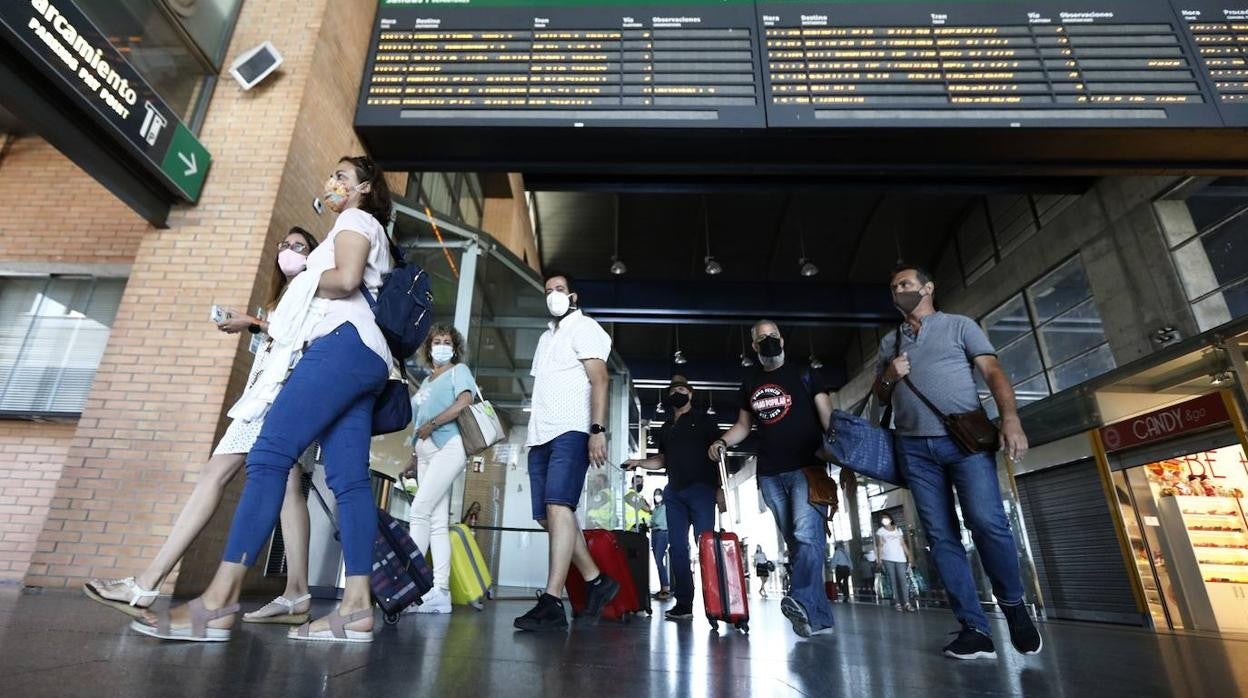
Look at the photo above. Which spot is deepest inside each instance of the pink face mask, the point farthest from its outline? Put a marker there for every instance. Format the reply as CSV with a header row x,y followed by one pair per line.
x,y
291,262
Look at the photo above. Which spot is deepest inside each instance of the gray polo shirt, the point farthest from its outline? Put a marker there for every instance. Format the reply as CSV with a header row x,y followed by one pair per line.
x,y
941,365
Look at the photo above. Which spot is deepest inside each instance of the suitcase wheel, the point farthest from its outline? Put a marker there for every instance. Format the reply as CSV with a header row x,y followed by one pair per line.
x,y
714,623
477,605
743,626
392,618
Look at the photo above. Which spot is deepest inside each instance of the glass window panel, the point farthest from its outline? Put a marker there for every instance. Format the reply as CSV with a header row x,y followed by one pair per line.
x,y
1060,291
1083,368
1237,299
1007,323
975,241
1021,360
209,22
1075,332
1208,210
1031,390
1011,219
1227,248
151,43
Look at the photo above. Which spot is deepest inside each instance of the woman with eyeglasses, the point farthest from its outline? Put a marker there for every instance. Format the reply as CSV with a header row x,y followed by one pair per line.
x,y
131,595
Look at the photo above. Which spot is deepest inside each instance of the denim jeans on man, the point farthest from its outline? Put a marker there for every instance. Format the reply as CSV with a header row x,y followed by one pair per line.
x,y
328,398
557,472
802,525
934,467
658,546
691,506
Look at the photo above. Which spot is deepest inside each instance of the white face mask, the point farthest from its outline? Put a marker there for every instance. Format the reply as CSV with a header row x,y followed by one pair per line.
x,y
441,354
558,303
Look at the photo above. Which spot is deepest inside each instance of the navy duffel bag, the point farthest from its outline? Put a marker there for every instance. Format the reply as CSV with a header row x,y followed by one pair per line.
x,y
864,447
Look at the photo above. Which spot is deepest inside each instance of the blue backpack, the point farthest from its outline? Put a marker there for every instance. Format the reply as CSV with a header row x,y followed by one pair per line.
x,y
404,306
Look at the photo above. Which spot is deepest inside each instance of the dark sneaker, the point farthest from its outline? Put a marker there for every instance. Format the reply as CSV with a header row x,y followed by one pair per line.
x,y
796,613
599,593
679,612
548,614
1023,633
971,644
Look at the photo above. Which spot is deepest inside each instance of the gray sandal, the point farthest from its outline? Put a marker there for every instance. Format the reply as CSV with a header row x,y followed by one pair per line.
x,y
197,632
338,631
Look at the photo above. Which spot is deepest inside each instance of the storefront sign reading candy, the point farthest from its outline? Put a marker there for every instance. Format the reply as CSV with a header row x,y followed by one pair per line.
x,y
1201,413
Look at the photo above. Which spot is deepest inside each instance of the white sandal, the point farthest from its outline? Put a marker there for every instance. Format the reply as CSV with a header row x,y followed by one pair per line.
x,y
337,631
140,598
284,613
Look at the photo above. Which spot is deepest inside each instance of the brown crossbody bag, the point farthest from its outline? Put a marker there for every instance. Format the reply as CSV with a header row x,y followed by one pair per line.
x,y
973,431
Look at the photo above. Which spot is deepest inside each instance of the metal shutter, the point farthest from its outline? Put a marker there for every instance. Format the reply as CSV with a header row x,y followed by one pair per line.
x,y
1074,546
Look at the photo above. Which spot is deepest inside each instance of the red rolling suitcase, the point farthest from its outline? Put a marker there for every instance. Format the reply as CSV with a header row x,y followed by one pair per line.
x,y
612,561
722,562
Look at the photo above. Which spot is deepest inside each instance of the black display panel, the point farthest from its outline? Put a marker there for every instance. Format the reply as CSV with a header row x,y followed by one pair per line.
x,y
1003,63
565,64
1220,34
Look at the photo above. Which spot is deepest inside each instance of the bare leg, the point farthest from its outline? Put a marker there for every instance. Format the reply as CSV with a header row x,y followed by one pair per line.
x,y
295,533
567,546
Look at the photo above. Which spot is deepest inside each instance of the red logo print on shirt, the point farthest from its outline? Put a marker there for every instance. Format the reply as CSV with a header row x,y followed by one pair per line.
x,y
770,403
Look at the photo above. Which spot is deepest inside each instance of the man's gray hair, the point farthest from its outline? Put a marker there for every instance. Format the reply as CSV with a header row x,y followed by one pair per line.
x,y
760,323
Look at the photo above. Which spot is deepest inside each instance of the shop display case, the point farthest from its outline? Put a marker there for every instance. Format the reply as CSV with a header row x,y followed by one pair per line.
x,y
1207,541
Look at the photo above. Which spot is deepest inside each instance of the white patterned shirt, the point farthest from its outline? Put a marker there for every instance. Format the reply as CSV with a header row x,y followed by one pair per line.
x,y
561,389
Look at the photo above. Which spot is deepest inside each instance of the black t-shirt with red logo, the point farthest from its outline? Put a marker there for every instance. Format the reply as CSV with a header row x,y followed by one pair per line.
x,y
784,411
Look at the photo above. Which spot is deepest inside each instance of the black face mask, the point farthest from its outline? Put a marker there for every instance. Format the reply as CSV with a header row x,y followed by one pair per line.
x,y
770,347
677,400
638,486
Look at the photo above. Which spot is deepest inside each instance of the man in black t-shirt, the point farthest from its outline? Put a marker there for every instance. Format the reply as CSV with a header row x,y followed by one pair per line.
x,y
791,408
692,483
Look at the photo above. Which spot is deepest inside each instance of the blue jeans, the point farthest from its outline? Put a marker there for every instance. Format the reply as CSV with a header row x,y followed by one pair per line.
x,y
557,472
933,468
328,398
803,526
692,506
658,546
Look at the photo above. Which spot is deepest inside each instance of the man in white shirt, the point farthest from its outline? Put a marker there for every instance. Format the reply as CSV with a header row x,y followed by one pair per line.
x,y
566,435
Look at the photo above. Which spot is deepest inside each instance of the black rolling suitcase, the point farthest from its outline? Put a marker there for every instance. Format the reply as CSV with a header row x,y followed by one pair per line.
x,y
636,548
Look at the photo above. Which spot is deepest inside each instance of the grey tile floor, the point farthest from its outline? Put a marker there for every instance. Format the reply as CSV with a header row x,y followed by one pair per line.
x,y
60,644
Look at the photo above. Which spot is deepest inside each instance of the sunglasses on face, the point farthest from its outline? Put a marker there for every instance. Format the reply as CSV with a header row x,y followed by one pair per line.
x,y
298,247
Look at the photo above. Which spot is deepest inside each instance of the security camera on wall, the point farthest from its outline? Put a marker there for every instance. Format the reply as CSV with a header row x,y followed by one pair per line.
x,y
255,65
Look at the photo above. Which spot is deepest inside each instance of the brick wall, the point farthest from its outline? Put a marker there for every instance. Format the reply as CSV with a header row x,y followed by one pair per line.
x,y
43,224
168,376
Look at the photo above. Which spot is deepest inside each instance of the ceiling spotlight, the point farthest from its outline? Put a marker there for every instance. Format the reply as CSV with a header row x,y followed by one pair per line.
x,y
808,267
713,267
658,407
679,359
1221,378
618,268
746,361
710,411
815,363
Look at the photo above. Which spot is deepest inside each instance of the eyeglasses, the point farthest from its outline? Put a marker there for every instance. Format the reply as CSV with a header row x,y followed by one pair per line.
x,y
298,247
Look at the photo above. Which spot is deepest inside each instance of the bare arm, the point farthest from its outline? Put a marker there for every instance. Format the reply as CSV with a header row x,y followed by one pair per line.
x,y
655,462
446,416
735,435
596,369
823,405
350,256
1013,440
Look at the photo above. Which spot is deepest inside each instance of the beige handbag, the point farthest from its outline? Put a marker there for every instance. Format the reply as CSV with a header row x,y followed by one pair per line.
x,y
479,426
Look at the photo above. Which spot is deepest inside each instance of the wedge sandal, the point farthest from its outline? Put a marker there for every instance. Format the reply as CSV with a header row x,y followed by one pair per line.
x,y
337,631
281,611
198,630
136,606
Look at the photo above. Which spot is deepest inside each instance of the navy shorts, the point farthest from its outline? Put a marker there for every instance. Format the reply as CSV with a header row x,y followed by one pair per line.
x,y
557,472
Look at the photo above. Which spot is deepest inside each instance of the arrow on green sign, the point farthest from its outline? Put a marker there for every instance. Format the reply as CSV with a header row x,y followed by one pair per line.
x,y
186,163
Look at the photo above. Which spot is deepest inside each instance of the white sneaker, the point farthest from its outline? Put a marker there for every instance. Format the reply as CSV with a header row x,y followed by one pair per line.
x,y
434,601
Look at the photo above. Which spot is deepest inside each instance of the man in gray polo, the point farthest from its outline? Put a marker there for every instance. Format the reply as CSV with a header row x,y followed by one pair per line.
x,y
936,353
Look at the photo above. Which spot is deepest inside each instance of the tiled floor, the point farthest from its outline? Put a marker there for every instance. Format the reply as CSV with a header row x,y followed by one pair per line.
x,y
60,644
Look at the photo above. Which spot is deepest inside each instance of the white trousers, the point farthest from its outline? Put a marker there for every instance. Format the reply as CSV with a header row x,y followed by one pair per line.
x,y
430,513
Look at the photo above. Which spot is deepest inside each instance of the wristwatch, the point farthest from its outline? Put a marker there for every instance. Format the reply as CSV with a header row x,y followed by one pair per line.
x,y
597,429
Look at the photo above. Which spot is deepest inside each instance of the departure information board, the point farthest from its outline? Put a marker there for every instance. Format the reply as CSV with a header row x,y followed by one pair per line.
x,y
564,64
790,63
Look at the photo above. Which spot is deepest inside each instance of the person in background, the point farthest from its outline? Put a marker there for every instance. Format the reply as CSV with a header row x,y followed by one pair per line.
x,y
841,569
131,595
762,568
440,456
659,544
791,409
692,485
895,554
637,510
937,354
566,436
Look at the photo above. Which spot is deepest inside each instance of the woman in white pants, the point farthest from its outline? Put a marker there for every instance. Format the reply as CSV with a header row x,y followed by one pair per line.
x,y
440,456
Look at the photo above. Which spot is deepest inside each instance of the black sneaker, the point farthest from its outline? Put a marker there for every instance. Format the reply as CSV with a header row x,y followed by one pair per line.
x,y
679,612
1023,633
548,614
599,593
971,644
796,613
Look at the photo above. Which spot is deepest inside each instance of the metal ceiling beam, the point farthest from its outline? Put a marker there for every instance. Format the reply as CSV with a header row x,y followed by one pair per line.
x,y
703,302
711,375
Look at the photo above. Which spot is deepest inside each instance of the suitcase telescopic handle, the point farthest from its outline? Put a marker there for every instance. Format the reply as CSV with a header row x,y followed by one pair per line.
x,y
723,483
